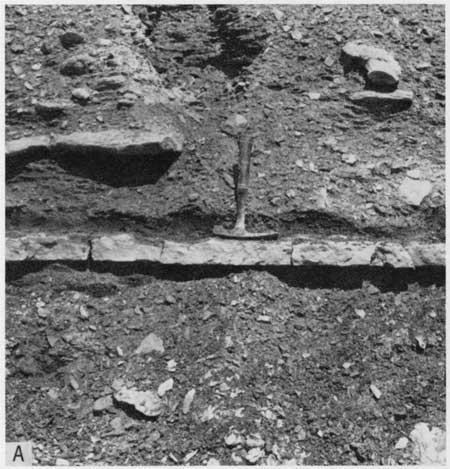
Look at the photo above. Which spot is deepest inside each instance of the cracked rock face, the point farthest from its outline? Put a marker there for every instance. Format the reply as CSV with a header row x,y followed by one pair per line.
x,y
44,247
127,248
427,254
216,251
124,248
350,254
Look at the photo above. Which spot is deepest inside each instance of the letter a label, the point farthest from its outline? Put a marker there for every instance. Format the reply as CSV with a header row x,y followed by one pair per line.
x,y
19,453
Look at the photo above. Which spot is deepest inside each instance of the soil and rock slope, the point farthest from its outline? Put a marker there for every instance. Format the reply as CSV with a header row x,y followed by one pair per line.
x,y
284,76
123,119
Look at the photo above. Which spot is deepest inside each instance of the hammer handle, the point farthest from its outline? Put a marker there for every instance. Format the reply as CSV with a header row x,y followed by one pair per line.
x,y
242,177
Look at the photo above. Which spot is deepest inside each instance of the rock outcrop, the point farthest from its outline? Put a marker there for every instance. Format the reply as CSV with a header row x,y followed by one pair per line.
x,y
123,247
381,67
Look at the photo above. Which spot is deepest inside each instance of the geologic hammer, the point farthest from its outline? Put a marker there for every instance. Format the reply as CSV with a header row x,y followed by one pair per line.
x,y
241,176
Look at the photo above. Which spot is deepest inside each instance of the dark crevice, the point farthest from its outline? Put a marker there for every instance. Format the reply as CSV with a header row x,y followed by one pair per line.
x,y
313,277
116,170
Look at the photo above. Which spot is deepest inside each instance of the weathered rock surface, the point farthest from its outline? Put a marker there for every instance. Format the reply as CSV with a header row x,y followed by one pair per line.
x,y
122,142
427,254
392,254
116,142
381,67
227,252
43,247
124,248
350,253
403,98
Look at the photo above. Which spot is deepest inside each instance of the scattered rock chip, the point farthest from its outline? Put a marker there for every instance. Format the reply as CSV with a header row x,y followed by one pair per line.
x,y
420,341
71,39
84,313
81,94
423,66
413,191
254,455
164,387
234,439
146,402
402,443
349,158
17,48
263,318
77,65
254,440
52,109
47,47
296,35
62,462
314,95
171,365
103,403
279,15
53,393
151,343
414,174
187,402
113,82
375,391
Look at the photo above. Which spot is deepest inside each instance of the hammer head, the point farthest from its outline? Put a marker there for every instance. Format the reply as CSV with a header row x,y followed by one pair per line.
x,y
240,233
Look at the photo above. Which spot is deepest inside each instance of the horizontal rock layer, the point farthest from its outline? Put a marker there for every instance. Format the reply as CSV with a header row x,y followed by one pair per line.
x,y
125,248
116,142
43,247
227,252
